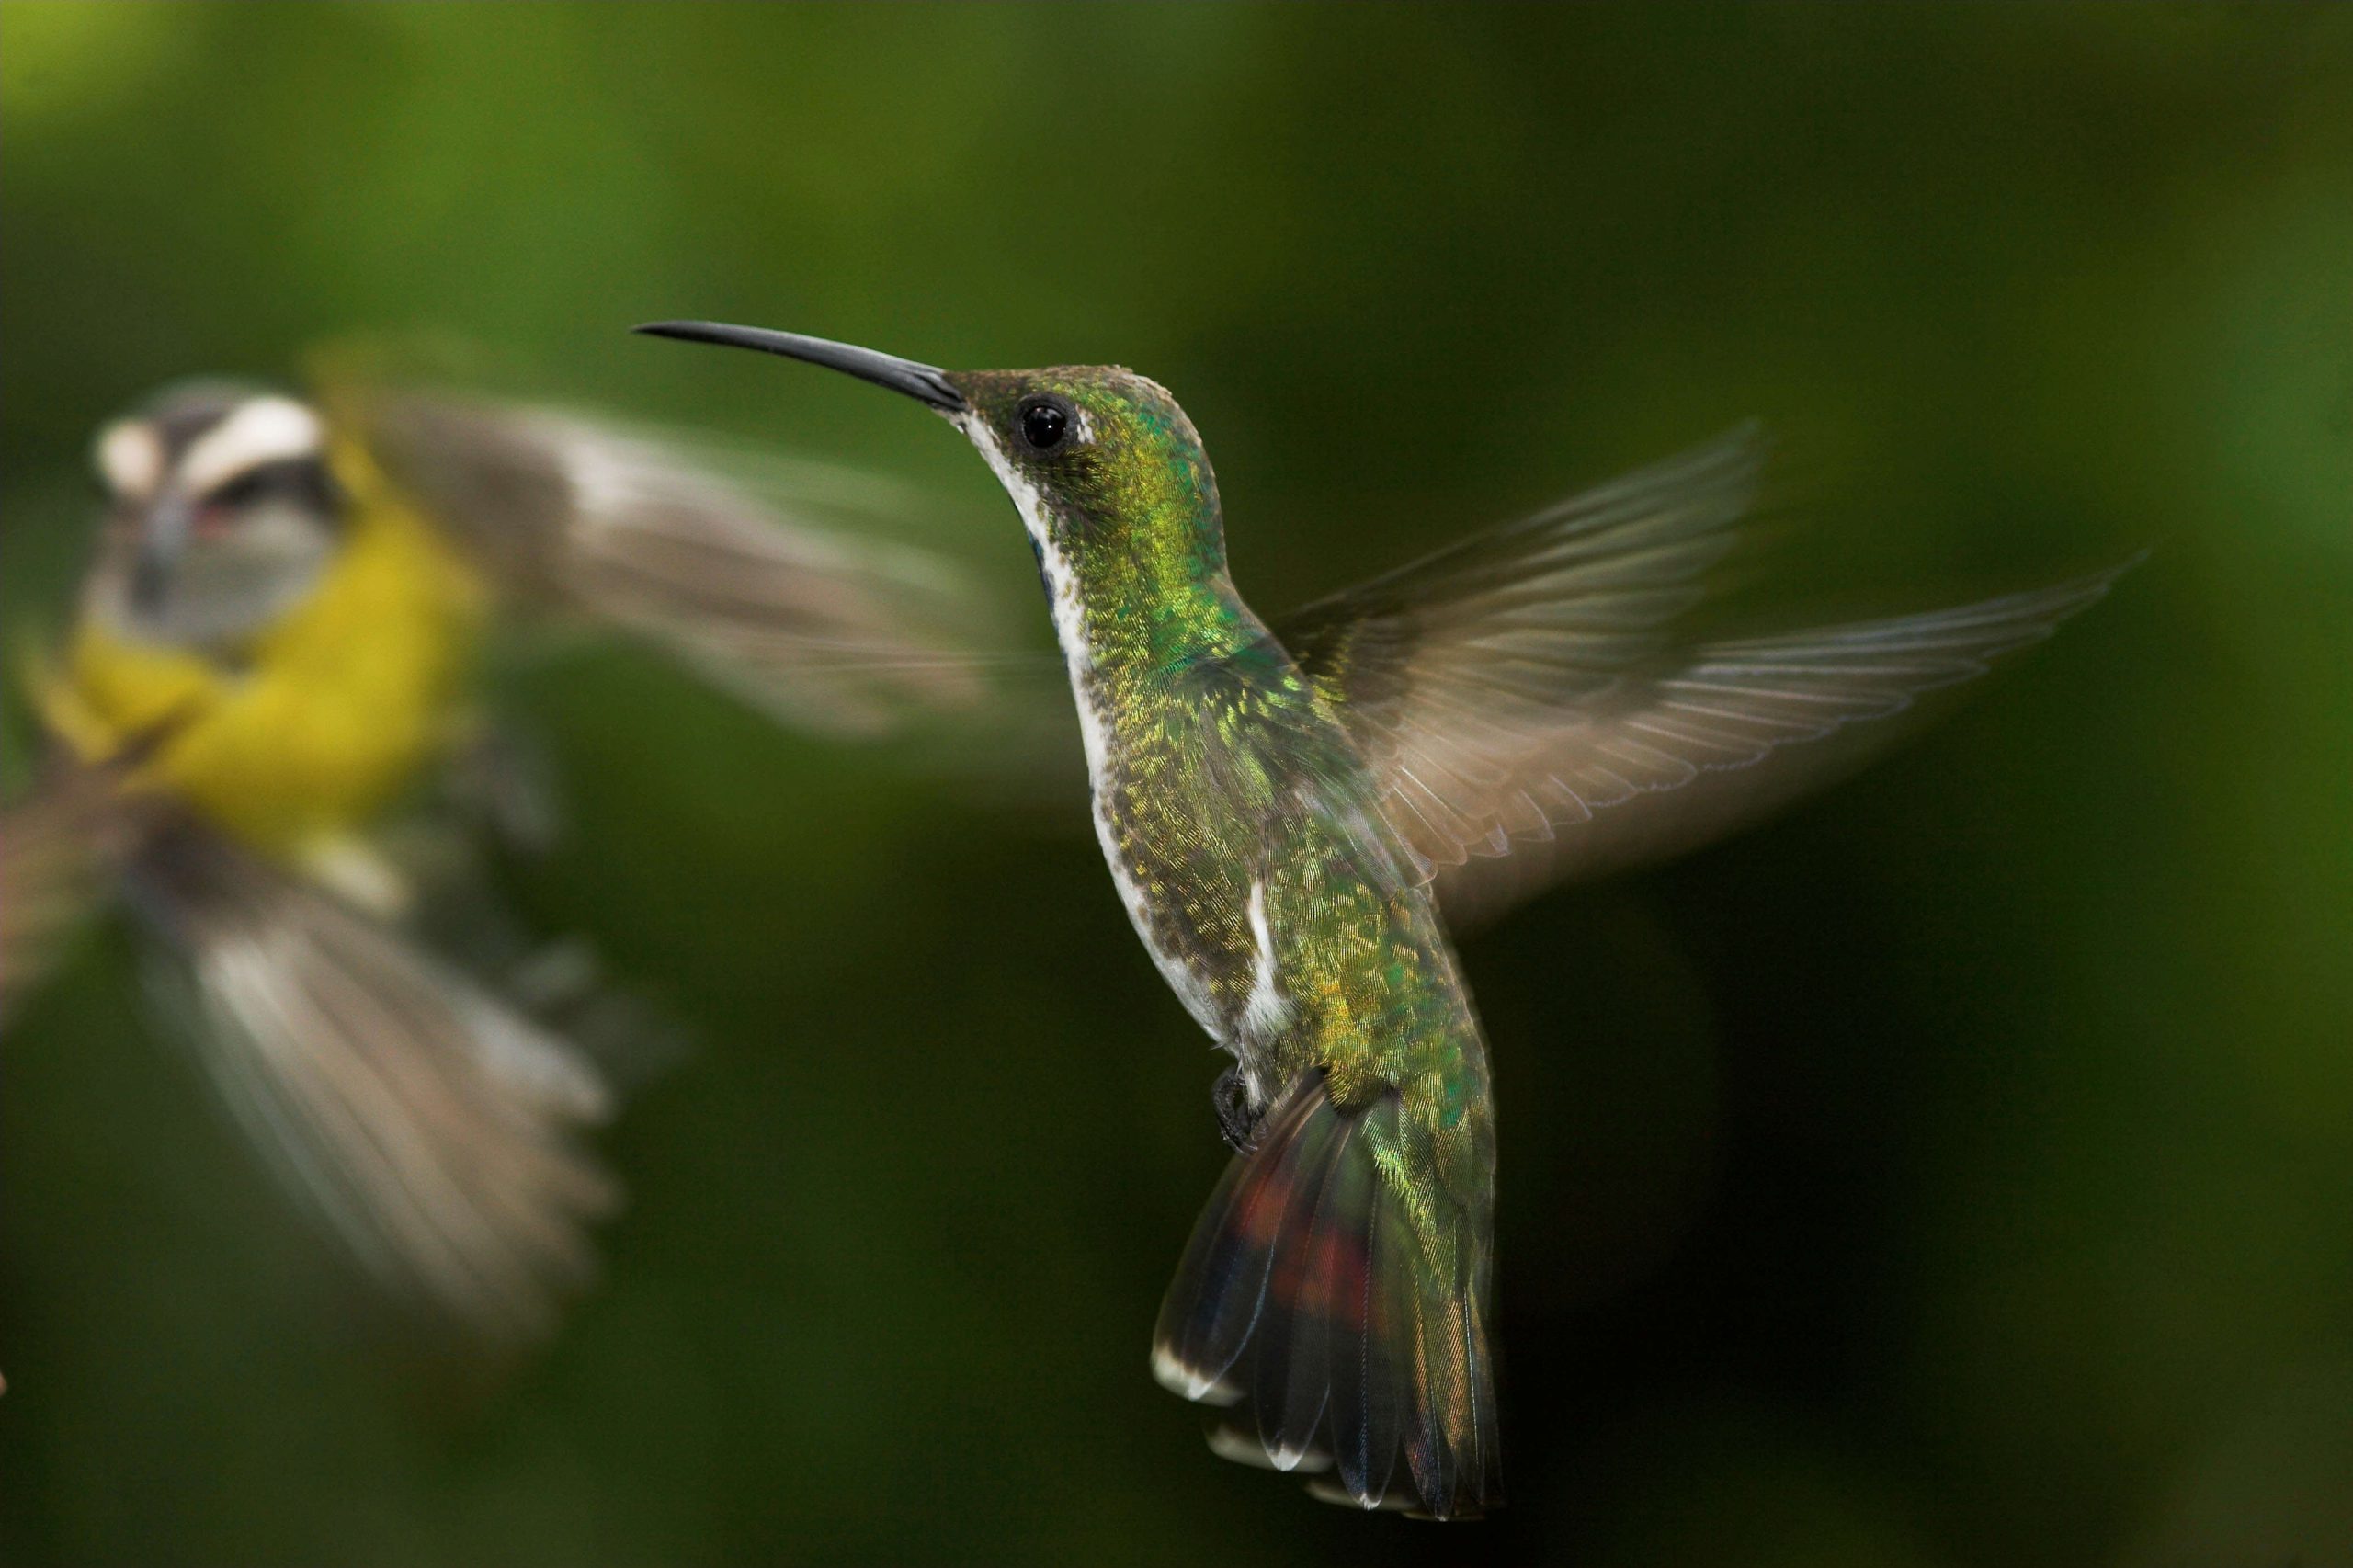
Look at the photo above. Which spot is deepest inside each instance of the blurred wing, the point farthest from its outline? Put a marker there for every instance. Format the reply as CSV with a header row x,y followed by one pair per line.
x,y
430,1123
1688,756
750,583
62,849
1532,715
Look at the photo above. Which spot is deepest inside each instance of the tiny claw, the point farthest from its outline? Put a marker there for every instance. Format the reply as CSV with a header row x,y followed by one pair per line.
x,y
1237,1118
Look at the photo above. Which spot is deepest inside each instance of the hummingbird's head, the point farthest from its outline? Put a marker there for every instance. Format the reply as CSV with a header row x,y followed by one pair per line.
x,y
1098,460
1106,472
222,513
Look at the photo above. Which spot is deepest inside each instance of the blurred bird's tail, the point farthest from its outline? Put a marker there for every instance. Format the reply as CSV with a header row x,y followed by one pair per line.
x,y
1333,1304
438,1129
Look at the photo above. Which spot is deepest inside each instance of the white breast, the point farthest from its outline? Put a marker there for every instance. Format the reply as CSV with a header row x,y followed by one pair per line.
x,y
1069,613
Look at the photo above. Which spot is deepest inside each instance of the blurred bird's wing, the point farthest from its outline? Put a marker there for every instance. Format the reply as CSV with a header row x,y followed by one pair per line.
x,y
434,1126
1532,714
739,566
62,849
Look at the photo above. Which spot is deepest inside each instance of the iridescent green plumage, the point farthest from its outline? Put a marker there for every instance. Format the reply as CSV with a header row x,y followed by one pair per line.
x,y
1244,828
1290,810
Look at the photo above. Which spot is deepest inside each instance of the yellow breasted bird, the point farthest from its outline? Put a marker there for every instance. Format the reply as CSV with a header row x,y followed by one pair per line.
x,y
275,645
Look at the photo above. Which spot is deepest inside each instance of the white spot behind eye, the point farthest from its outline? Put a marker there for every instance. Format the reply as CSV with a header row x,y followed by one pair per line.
x,y
266,430
129,457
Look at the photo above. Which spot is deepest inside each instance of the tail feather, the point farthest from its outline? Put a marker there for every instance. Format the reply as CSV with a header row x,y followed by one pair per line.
x,y
1228,1272
1337,1313
439,1130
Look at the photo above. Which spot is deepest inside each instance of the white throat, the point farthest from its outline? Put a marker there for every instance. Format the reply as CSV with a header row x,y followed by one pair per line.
x,y
1063,604
1069,612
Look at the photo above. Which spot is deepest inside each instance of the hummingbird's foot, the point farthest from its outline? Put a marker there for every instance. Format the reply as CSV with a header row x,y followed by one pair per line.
x,y
1237,1119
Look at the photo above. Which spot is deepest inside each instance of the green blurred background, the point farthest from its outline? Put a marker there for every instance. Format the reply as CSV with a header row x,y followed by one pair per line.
x,y
1955,1172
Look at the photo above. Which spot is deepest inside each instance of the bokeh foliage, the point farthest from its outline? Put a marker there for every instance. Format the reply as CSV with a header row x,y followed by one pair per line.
x,y
1956,1172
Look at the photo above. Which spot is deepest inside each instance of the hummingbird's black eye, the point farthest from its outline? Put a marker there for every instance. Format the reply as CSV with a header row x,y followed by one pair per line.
x,y
1044,422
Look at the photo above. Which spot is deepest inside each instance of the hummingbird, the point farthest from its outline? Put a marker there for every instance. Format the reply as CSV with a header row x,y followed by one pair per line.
x,y
273,658
1297,812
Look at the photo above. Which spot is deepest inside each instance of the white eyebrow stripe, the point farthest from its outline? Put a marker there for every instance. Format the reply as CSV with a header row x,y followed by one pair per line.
x,y
266,430
130,456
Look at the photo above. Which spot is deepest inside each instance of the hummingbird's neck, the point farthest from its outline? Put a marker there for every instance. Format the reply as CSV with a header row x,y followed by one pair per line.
x,y
1136,598
1136,622
1138,643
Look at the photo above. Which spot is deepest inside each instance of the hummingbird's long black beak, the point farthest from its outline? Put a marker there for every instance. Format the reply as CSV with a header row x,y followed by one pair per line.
x,y
925,383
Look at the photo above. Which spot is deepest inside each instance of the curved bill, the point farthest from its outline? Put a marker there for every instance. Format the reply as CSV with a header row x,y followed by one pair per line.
x,y
925,383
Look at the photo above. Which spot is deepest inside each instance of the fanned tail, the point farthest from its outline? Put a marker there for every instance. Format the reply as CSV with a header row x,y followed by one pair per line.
x,y
438,1129
1334,1305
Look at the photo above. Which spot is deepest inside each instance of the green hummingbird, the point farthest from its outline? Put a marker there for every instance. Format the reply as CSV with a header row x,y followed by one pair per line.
x,y
1294,811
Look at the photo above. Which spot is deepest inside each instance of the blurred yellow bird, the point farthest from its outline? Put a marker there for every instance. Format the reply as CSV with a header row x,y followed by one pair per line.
x,y
275,644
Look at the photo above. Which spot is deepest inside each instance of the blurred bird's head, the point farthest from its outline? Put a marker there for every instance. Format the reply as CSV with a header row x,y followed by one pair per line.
x,y
223,512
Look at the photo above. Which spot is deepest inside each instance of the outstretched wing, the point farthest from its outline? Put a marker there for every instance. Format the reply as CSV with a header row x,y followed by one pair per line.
x,y
750,580
62,846
431,1124
1533,714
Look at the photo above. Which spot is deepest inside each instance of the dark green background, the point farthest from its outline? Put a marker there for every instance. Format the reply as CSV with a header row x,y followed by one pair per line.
x,y
1958,1172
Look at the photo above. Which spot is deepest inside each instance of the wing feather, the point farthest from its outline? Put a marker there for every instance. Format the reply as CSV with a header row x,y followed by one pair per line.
x,y
62,849
739,568
1534,711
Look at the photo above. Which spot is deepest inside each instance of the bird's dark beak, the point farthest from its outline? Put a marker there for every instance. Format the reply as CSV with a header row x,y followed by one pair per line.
x,y
160,545
925,383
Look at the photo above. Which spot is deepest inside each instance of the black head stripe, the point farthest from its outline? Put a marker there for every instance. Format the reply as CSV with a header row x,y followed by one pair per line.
x,y
302,480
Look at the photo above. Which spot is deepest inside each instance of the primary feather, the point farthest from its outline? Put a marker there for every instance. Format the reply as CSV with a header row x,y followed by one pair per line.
x,y
1534,711
61,847
751,584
